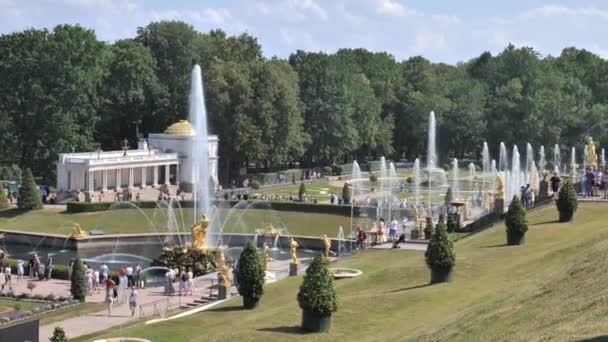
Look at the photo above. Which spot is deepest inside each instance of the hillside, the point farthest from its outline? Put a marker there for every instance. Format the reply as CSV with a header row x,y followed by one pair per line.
x,y
552,288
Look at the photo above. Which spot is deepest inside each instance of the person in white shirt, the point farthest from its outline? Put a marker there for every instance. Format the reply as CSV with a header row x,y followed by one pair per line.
x,y
20,270
129,273
133,300
7,277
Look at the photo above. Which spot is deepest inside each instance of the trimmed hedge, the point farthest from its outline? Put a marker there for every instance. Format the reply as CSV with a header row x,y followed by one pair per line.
x,y
82,207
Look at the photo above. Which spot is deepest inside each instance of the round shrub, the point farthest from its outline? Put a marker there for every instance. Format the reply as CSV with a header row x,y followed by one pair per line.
x,y
566,202
250,276
317,292
255,185
327,170
58,335
516,222
337,170
346,193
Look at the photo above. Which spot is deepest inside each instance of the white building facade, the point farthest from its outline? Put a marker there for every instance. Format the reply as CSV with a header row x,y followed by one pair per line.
x,y
163,159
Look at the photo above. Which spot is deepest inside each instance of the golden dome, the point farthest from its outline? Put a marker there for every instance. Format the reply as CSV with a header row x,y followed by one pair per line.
x,y
181,128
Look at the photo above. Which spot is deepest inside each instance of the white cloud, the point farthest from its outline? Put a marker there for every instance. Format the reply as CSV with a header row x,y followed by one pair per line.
x,y
311,6
553,11
390,7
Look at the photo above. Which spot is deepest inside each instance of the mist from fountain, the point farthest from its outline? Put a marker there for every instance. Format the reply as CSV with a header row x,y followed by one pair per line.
x,y
417,180
503,158
431,152
341,247
472,175
557,160
603,159
585,157
455,189
529,159
383,185
542,162
485,158
355,174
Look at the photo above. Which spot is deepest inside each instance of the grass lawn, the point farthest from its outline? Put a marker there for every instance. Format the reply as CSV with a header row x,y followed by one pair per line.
x,y
321,189
20,305
64,314
149,220
551,288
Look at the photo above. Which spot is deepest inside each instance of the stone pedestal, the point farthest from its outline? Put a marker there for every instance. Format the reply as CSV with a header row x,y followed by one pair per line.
x,y
499,206
414,234
222,292
543,190
293,269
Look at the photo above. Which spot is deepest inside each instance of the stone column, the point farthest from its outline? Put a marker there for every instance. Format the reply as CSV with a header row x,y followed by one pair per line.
x,y
130,178
167,174
143,176
155,179
104,180
118,180
91,180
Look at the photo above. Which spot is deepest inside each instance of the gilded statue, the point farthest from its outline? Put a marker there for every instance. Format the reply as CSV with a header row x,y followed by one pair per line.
x,y
292,250
223,268
270,230
327,243
267,257
500,191
591,155
199,233
77,232
415,216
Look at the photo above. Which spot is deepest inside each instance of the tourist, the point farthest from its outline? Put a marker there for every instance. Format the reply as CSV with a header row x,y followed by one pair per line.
x,y
399,241
109,301
129,274
48,267
555,181
392,231
7,277
20,270
381,232
89,276
41,269
104,270
183,282
2,254
96,282
190,284
137,276
133,300
360,237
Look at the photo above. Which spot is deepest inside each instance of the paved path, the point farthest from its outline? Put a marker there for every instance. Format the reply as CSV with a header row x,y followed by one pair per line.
x,y
403,246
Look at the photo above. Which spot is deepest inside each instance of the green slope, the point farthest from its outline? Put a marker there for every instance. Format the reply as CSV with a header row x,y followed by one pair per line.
x,y
552,288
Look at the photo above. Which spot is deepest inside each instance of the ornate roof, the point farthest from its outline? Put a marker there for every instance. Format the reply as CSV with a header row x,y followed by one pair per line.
x,y
180,128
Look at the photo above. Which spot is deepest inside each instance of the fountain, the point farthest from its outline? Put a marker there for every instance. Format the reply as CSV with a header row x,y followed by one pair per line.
x,y
455,188
472,175
585,157
542,161
355,174
485,158
602,159
503,158
556,158
573,163
200,154
383,185
417,180
435,173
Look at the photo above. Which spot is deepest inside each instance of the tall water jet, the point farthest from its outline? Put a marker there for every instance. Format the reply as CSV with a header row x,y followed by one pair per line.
x,y
585,157
529,157
431,151
541,159
200,156
392,183
493,168
573,163
603,159
417,180
471,176
383,186
455,178
517,174
557,160
355,175
485,158
503,158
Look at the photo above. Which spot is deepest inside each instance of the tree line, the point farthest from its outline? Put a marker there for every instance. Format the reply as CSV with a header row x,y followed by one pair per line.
x,y
64,90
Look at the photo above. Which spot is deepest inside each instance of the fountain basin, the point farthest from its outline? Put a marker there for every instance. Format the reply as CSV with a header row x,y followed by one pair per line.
x,y
341,272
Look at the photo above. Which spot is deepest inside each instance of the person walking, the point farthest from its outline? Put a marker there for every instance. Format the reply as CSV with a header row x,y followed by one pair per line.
x,y
104,270
183,282
7,277
555,181
20,270
137,276
129,274
190,284
133,300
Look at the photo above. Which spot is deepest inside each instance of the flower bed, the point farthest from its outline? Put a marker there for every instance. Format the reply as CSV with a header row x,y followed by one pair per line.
x,y
26,306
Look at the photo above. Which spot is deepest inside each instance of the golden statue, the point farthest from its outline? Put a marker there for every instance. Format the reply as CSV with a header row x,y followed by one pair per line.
x,y
78,232
327,243
415,216
223,268
292,250
591,155
500,191
199,233
270,230
267,257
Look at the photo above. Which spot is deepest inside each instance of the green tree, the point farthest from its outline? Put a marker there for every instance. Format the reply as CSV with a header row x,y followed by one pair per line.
x,y
29,196
318,293
58,335
78,281
250,276
566,202
516,222
439,255
449,197
4,203
302,191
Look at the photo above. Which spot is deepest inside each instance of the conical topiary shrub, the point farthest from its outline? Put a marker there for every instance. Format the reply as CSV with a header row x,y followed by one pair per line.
x,y
346,193
317,296
250,276
428,229
448,197
302,191
566,202
78,286
440,256
58,335
4,204
29,196
516,222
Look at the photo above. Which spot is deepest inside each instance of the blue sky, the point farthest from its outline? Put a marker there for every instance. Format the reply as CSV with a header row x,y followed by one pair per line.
x,y
443,30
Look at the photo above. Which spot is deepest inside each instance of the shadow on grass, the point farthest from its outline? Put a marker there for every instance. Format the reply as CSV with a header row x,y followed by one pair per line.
x,y
295,329
411,288
545,223
595,339
496,246
12,212
227,308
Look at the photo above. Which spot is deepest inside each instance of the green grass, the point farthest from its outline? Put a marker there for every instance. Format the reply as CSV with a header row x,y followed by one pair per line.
x,y
135,221
64,314
20,305
551,288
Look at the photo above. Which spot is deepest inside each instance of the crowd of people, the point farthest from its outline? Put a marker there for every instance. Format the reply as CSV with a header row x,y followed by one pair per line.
x,y
184,276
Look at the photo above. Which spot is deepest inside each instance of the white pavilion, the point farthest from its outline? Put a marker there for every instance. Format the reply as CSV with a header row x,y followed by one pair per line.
x,y
162,159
